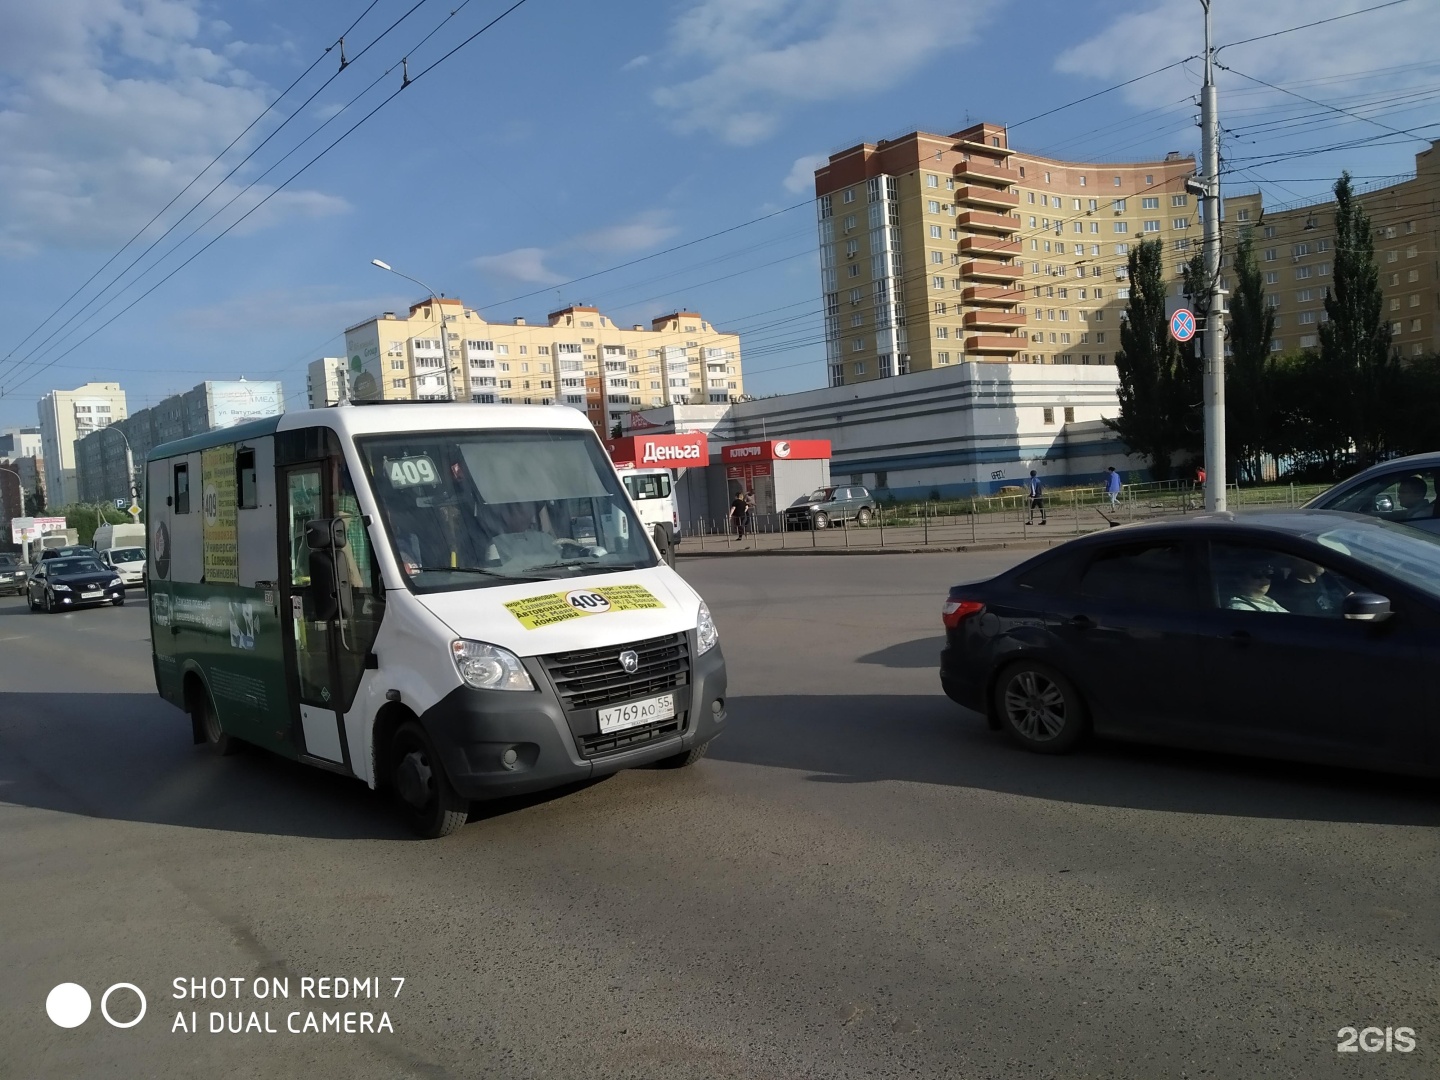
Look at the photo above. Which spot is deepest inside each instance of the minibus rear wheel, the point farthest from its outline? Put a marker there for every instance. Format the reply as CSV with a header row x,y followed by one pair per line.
x,y
423,791
207,722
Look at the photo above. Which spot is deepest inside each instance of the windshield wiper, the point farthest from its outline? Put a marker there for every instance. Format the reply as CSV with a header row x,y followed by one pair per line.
x,y
470,570
578,564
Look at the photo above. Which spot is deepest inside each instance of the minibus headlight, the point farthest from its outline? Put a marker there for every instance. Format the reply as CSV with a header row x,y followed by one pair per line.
x,y
705,632
489,667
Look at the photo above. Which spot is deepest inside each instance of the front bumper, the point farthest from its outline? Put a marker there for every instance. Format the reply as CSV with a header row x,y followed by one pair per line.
x,y
75,599
473,730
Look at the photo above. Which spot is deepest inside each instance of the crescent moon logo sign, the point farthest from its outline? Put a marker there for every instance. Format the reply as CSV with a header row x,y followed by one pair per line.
x,y
782,449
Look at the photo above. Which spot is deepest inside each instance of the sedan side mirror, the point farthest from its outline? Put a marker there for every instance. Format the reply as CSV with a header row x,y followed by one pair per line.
x,y
1366,607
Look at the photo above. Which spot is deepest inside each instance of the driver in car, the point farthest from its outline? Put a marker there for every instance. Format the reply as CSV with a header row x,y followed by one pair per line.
x,y
521,544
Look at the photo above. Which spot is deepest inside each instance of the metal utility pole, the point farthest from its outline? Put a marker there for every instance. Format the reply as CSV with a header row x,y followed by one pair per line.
x,y
1215,315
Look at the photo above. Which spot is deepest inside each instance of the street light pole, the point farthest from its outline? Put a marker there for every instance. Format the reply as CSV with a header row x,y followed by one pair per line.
x,y
129,468
444,344
1215,313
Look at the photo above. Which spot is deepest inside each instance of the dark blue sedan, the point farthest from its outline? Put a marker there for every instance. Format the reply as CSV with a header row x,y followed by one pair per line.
x,y
1312,635
79,581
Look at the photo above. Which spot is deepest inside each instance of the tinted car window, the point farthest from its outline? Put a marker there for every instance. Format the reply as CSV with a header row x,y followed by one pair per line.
x,y
1057,574
1146,575
1411,556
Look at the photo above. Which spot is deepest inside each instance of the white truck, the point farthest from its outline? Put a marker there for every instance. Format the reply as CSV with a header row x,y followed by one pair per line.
x,y
118,536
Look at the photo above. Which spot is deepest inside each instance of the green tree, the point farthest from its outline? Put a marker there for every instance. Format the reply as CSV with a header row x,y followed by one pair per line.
x,y
1250,419
35,501
1355,348
1154,410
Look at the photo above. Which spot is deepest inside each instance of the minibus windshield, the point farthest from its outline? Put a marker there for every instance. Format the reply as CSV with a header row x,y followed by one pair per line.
x,y
467,509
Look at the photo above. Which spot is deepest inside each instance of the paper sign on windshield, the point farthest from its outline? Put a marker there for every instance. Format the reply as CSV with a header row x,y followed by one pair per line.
x,y
551,608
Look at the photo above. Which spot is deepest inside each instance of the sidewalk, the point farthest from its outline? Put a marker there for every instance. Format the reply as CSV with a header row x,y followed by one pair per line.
x,y
979,532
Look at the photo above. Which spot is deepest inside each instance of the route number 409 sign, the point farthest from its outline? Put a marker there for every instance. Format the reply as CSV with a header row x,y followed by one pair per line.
x,y
411,471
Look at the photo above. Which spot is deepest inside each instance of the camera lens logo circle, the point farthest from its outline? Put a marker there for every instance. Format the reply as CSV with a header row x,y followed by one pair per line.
x,y
68,1005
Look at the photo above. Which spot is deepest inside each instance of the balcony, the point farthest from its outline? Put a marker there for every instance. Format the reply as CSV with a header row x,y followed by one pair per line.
x,y
985,172
992,294
987,196
994,270
994,343
989,245
985,221
994,320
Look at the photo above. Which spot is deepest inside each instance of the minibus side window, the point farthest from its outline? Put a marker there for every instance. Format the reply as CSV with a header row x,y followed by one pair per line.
x,y
246,488
182,488
365,607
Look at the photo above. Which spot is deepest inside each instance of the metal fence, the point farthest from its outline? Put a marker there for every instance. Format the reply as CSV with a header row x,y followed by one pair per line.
x,y
988,519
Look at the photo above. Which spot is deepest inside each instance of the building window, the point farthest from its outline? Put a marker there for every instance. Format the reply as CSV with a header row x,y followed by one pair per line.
x,y
1118,205
1270,255
1152,226
932,206
853,270
1414,326
931,180
1070,409
942,332
943,357
1302,272
1180,223
1082,181
1117,181
937,257
1411,251
1179,200
937,283
849,195
1269,232
934,233
1242,215
1049,416
940,306
860,367
1150,202
1122,226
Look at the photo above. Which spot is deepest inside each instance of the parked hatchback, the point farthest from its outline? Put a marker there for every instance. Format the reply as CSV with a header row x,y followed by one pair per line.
x,y
828,506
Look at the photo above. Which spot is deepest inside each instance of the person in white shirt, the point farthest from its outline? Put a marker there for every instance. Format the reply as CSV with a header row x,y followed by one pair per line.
x,y
1253,592
521,545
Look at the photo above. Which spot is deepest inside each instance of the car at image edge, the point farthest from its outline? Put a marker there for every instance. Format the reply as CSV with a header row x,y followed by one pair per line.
x,y
1404,490
1169,633
13,574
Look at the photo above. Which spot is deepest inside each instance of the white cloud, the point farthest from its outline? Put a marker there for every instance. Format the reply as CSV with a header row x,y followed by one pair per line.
x,y
763,56
802,173
644,232
107,109
302,308
522,264
637,62
1170,30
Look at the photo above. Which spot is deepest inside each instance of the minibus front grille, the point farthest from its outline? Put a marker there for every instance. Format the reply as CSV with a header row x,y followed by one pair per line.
x,y
594,678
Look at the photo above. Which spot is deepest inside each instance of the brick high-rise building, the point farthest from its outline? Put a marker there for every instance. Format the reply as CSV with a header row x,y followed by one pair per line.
x,y
943,249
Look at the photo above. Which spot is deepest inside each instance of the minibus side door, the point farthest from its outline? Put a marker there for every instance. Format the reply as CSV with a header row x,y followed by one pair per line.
x,y
311,664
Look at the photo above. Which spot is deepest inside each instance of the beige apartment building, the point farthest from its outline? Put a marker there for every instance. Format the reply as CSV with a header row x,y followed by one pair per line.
x,y
1294,250
578,357
943,249
67,416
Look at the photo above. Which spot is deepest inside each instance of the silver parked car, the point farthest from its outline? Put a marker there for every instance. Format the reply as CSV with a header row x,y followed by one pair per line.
x,y
828,506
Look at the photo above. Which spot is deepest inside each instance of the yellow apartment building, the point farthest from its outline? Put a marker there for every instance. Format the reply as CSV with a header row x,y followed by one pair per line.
x,y
1294,250
943,249
578,357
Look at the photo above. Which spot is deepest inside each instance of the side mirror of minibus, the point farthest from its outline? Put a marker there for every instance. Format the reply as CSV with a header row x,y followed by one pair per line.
x,y
664,543
324,537
324,533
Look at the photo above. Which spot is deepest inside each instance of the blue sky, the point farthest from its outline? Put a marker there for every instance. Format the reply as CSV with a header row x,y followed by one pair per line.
x,y
574,136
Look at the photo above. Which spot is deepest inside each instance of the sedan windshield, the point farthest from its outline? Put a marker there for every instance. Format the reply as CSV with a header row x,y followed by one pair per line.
x,y
467,509
70,567
1410,555
128,555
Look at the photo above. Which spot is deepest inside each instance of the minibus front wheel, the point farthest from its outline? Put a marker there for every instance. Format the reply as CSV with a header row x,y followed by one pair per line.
x,y
424,793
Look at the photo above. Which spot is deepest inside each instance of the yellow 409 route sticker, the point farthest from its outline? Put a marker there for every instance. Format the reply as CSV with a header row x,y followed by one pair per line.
x,y
537,611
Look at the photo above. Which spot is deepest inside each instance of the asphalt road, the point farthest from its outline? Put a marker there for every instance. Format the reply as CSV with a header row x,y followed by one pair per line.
x,y
861,881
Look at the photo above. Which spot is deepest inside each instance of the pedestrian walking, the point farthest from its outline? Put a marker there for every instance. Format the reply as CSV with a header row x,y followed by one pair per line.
x,y
737,514
1112,487
1037,498
750,511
